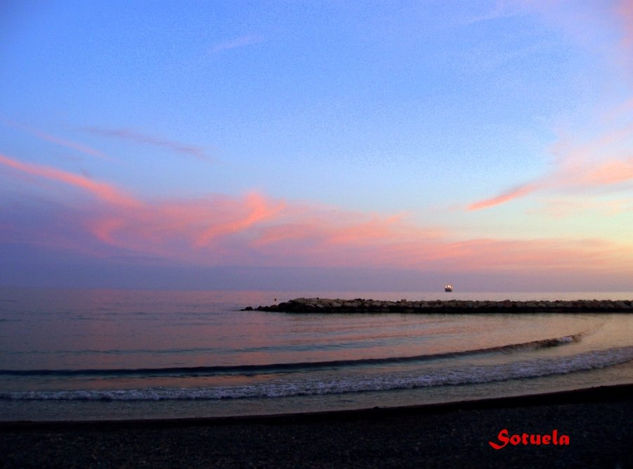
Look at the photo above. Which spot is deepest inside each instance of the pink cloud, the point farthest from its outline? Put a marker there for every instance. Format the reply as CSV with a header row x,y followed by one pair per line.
x,y
289,233
248,230
609,172
506,196
371,231
257,209
255,230
605,161
201,230
59,141
100,190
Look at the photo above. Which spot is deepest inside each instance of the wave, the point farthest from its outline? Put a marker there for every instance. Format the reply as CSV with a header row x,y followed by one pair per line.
x,y
288,367
466,375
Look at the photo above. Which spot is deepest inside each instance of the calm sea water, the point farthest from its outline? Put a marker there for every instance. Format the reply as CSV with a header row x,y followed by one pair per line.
x,y
109,354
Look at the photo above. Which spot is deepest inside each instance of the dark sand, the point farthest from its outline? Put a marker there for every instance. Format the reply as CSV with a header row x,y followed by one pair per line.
x,y
599,423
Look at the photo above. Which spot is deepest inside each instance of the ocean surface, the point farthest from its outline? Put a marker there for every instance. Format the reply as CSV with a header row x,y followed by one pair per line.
x,y
116,354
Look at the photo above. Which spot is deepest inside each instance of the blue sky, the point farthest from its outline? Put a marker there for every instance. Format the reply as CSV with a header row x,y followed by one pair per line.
x,y
423,138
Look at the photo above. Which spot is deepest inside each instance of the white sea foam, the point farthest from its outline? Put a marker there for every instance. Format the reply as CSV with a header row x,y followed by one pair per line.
x,y
389,381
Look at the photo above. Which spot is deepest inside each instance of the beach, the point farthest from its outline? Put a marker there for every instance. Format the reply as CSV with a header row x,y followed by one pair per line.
x,y
597,422
316,234
190,379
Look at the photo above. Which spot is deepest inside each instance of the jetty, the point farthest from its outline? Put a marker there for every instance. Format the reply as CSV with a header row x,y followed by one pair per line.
x,y
359,305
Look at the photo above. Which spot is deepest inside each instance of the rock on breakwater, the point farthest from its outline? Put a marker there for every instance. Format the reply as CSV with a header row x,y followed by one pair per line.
x,y
359,305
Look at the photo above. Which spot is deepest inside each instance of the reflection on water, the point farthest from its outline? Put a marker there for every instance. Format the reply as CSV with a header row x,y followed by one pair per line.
x,y
173,332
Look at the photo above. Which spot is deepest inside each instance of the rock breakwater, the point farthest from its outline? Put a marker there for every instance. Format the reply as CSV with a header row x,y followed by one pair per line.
x,y
359,305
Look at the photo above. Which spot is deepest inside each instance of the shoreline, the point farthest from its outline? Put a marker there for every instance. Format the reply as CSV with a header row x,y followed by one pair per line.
x,y
596,420
360,305
574,396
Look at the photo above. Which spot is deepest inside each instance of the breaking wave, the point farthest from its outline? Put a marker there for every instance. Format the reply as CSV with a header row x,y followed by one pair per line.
x,y
390,381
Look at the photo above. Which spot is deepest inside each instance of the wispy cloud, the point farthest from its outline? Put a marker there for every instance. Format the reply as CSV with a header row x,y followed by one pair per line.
x,y
506,196
605,161
258,210
80,147
501,9
101,190
144,139
255,230
236,43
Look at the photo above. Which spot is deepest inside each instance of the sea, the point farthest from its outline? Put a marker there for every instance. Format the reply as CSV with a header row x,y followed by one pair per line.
x,y
98,354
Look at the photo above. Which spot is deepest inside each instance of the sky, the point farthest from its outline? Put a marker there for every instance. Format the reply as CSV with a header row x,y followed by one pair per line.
x,y
317,144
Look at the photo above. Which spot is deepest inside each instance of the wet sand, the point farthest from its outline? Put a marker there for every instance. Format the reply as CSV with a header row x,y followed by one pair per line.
x,y
599,423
